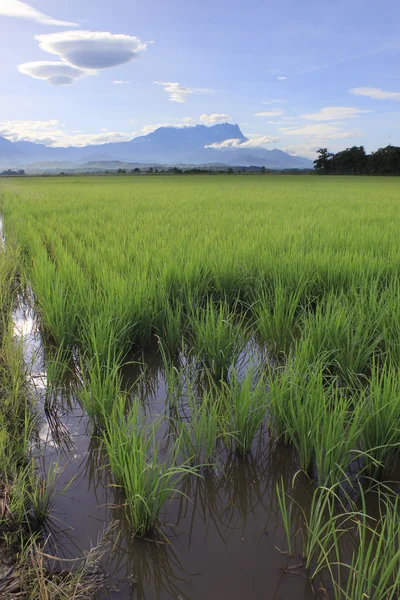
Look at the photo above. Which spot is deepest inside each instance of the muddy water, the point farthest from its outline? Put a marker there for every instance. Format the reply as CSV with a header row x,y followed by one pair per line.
x,y
223,536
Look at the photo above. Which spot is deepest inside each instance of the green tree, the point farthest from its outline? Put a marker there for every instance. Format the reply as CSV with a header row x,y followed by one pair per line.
x,y
323,162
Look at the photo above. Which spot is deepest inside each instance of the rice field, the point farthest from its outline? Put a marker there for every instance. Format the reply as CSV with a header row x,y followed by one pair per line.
x,y
233,346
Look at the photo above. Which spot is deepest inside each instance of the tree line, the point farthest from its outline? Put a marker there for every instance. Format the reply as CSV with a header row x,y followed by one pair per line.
x,y
355,161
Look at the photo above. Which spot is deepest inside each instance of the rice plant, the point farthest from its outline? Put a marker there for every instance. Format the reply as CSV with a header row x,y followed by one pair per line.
x,y
217,337
244,408
147,478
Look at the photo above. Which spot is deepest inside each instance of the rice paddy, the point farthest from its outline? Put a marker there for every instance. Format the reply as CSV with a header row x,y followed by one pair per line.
x,y
232,346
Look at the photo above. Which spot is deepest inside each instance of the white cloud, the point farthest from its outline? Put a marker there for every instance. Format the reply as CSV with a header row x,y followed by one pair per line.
x,y
306,150
332,113
91,49
274,101
282,78
185,122
258,141
215,118
320,131
54,133
120,82
375,93
270,113
286,122
22,10
179,93
55,73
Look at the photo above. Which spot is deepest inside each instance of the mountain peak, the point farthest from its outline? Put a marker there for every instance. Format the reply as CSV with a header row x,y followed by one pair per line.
x,y
166,145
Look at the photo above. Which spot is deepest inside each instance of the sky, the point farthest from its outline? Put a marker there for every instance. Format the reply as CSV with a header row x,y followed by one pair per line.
x,y
294,74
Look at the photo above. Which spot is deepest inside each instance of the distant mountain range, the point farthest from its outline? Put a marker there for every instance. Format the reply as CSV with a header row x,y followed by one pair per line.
x,y
165,145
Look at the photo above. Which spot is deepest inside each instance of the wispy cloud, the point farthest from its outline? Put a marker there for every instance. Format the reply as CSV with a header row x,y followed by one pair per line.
x,y
333,113
270,113
376,93
22,10
120,82
274,101
178,92
319,131
281,78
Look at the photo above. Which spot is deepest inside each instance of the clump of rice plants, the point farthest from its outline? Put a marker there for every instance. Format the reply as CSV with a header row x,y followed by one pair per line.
x,y
170,328
312,414
346,333
199,428
277,311
244,408
379,417
218,337
147,478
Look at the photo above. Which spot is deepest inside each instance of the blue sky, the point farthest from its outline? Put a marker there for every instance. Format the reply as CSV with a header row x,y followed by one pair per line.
x,y
294,74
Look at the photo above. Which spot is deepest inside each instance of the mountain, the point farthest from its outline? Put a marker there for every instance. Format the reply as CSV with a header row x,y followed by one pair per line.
x,y
165,145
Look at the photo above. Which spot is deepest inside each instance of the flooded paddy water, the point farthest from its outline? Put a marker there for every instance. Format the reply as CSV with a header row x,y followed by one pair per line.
x,y
223,538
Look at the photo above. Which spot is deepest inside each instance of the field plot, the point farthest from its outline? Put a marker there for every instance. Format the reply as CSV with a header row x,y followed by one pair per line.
x,y
222,376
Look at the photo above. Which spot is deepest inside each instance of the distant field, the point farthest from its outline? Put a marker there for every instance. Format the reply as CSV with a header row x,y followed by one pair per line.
x,y
305,269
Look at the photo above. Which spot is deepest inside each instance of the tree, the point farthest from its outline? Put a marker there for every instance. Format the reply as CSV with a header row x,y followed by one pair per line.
x,y
322,163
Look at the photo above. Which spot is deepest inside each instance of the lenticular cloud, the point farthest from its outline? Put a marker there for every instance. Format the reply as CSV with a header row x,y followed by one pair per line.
x,y
55,73
91,49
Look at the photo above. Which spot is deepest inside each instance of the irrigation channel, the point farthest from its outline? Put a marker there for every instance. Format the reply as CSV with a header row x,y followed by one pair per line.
x,y
223,539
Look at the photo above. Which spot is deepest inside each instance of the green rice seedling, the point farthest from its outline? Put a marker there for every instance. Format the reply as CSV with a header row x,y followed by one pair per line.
x,y
277,314
244,409
344,331
336,435
200,431
218,337
174,377
147,479
170,328
374,568
324,522
297,405
100,385
286,512
379,416
54,301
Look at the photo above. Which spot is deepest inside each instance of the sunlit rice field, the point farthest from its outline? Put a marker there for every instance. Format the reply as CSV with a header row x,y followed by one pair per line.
x,y
202,322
